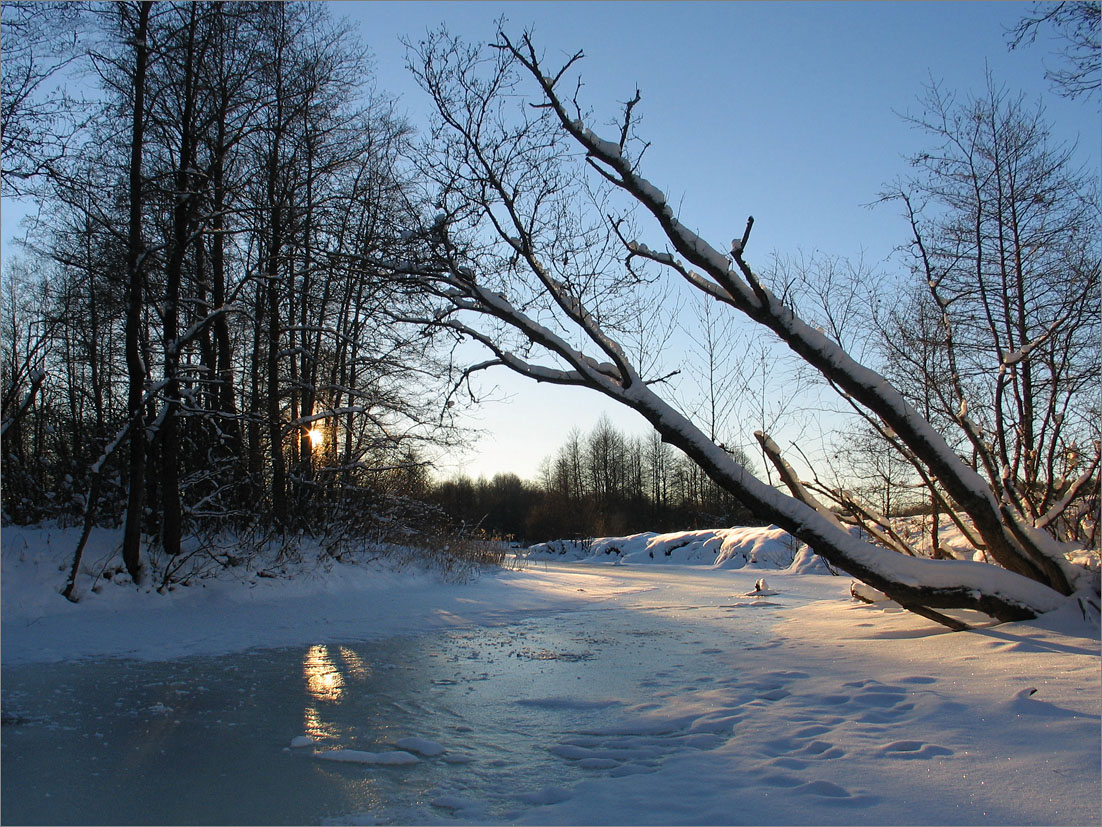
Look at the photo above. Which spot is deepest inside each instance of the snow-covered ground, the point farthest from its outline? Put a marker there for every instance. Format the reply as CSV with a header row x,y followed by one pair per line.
x,y
623,692
764,547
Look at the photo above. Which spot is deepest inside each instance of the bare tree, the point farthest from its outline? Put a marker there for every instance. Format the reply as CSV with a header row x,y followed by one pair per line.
x,y
1004,343
37,124
508,177
1076,24
23,349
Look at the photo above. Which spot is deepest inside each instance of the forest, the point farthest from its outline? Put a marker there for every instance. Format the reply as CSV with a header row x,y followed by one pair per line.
x,y
212,355
246,302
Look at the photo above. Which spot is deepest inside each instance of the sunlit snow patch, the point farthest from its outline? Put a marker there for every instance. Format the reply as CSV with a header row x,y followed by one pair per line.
x,y
763,547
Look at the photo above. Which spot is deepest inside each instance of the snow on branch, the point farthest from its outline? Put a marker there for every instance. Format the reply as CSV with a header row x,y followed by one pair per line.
x,y
1074,490
1035,581
790,479
37,377
748,294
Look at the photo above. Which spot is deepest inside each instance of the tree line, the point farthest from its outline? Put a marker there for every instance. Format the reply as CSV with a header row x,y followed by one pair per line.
x,y
600,484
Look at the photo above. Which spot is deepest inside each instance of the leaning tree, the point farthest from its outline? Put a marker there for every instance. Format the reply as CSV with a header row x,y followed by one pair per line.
x,y
509,257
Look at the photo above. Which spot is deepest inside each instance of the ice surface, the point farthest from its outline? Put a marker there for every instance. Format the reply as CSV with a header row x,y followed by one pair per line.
x,y
564,693
569,703
355,756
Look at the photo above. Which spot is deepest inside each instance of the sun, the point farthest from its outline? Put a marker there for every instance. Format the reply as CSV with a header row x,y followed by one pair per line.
x,y
317,437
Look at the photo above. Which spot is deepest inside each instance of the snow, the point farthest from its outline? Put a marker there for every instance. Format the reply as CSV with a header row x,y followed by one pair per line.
x,y
655,195
724,548
603,147
841,712
421,746
242,610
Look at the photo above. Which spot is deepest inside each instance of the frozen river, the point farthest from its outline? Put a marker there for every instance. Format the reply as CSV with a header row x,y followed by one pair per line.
x,y
488,721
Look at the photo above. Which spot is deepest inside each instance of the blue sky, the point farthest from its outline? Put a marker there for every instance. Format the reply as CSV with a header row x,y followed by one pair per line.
x,y
783,110
787,111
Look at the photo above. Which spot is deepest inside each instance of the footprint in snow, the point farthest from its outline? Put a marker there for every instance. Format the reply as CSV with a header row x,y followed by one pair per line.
x,y
832,794
548,795
774,694
790,763
823,749
824,788
781,780
878,703
913,749
796,746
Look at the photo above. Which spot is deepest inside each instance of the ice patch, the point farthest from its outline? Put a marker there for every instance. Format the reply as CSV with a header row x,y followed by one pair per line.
x,y
548,795
568,703
452,802
355,756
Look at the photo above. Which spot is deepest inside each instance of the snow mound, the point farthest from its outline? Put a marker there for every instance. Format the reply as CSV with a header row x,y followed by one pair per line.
x,y
587,549
753,547
546,796
422,746
763,548
807,561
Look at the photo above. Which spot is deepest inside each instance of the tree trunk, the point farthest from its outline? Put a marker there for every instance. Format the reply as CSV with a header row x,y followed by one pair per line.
x,y
135,364
182,211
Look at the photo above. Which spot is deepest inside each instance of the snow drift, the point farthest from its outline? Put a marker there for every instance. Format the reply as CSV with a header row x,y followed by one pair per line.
x,y
754,547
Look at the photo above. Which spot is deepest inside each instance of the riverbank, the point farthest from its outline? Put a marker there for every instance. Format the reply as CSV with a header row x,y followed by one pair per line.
x,y
562,693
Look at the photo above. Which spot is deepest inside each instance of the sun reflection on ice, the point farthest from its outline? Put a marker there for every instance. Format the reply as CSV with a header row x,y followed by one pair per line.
x,y
324,681
328,674
354,663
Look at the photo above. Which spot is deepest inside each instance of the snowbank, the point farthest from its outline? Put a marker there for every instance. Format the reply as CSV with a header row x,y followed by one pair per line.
x,y
242,607
839,712
755,547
